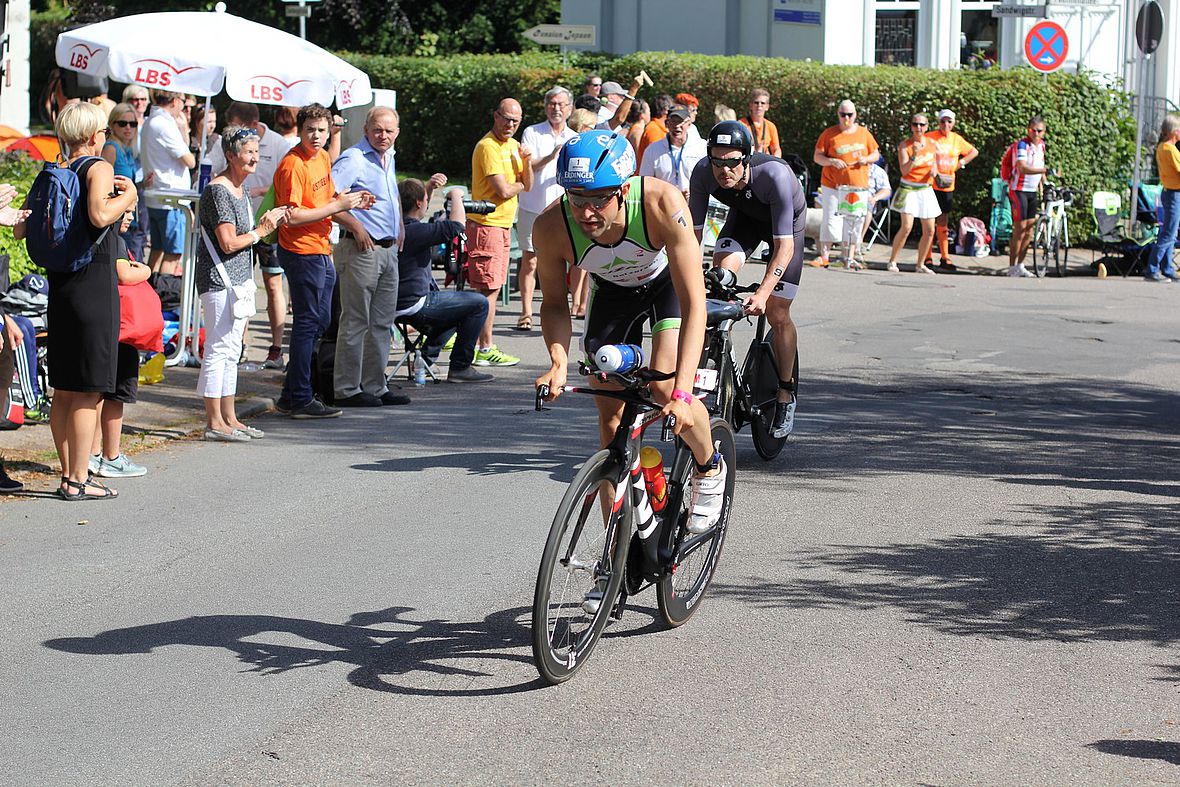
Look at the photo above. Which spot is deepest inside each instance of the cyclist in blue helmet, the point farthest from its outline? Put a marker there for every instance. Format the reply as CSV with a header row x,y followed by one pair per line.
x,y
633,236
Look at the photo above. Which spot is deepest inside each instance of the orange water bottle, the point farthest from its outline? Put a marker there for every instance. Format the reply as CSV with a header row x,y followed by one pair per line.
x,y
652,465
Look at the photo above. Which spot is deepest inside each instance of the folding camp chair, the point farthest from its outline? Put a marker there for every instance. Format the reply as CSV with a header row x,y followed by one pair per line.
x,y
880,223
1126,253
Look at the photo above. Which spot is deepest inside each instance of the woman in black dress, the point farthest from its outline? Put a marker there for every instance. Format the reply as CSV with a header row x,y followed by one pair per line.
x,y
84,306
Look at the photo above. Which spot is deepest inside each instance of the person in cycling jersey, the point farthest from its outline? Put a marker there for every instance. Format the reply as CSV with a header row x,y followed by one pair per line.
x,y
631,235
766,204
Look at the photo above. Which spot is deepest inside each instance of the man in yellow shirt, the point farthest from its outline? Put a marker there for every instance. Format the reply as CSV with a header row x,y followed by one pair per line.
x,y
500,169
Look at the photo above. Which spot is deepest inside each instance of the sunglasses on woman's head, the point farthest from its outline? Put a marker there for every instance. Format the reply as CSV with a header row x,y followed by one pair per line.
x,y
242,133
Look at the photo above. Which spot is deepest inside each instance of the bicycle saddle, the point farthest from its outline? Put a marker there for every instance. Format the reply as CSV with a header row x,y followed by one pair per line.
x,y
718,312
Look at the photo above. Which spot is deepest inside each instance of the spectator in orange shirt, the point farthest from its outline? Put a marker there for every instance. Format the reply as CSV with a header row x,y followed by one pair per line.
x,y
915,195
952,154
303,182
656,127
845,151
764,132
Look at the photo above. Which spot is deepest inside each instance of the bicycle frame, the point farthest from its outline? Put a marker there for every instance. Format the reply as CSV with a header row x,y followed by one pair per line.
x,y
653,530
749,408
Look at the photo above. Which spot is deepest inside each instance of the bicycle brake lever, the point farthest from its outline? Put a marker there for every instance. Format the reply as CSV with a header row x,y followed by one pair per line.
x,y
542,395
667,432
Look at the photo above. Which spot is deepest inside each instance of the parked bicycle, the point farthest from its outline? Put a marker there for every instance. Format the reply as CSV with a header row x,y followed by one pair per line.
x,y
1051,232
611,539
746,393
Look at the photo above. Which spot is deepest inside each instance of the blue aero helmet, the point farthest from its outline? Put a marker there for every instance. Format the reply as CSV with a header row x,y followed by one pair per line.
x,y
595,159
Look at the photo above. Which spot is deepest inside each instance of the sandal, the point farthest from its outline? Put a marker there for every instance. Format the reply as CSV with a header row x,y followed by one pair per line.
x,y
79,490
525,323
892,268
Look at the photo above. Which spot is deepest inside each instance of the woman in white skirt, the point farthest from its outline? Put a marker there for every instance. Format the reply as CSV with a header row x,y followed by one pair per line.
x,y
226,250
914,197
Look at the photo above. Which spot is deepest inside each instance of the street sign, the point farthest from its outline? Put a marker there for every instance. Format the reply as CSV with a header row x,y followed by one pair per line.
x,y
1033,11
297,10
1046,46
568,35
1149,27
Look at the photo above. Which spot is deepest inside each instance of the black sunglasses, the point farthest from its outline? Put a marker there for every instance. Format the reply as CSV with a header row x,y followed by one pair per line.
x,y
126,123
847,114
727,163
920,125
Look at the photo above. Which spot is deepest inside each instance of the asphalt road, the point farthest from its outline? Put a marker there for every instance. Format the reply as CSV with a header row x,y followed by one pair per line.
x,y
963,570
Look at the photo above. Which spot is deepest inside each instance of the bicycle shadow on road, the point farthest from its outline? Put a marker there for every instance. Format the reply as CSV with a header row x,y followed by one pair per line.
x,y
558,465
1140,749
390,651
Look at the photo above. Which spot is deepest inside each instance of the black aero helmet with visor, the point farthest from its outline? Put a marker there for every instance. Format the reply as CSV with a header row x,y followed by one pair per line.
x,y
731,134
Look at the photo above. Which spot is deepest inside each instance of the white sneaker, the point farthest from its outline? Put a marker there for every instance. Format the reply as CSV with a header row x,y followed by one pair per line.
x,y
1020,272
784,419
708,495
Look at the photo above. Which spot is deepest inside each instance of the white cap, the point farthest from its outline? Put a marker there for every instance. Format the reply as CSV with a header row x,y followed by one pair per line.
x,y
946,113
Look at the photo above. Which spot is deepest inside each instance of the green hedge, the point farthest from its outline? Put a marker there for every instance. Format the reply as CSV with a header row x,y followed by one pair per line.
x,y
445,105
19,170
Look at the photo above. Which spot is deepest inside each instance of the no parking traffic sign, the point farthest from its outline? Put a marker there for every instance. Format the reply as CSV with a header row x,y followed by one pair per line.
x,y
1046,46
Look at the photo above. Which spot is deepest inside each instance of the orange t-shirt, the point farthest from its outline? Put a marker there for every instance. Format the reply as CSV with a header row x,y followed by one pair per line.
x,y
848,148
304,180
949,148
767,141
653,131
921,161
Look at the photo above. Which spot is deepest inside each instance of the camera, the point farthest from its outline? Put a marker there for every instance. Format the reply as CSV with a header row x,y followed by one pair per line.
x,y
478,206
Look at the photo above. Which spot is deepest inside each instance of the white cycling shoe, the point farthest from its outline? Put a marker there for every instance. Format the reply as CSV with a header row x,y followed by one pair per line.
x,y
708,495
784,419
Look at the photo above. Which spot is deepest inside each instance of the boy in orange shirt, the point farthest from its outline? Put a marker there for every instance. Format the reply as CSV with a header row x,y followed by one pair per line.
x,y
303,182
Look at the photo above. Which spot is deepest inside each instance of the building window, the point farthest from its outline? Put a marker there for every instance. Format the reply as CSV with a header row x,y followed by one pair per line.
x,y
979,40
896,31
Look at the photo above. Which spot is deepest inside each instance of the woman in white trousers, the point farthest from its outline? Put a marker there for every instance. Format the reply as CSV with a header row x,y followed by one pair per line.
x,y
225,260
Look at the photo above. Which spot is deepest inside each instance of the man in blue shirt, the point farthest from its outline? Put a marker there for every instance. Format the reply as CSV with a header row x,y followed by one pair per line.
x,y
438,313
366,265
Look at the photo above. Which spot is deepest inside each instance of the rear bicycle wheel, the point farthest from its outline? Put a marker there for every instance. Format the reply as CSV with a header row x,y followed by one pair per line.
x,y
582,554
694,557
1040,248
761,378
1061,256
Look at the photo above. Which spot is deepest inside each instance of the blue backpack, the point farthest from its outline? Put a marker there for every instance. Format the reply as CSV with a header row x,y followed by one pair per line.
x,y
58,237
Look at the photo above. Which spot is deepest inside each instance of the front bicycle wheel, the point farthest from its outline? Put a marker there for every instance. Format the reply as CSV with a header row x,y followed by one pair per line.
x,y
581,570
694,557
1061,255
1040,249
761,378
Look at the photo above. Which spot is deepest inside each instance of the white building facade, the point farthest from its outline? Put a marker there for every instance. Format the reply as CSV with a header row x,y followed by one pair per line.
x,y
928,33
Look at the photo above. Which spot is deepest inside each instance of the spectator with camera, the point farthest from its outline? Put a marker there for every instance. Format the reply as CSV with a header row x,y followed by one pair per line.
x,y
166,157
500,171
438,313
543,141
366,262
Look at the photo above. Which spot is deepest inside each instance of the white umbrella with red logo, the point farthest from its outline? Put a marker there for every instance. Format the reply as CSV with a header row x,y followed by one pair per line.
x,y
202,52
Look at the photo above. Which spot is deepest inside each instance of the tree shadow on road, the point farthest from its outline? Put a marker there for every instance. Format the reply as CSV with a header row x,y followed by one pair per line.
x,y
388,649
1101,566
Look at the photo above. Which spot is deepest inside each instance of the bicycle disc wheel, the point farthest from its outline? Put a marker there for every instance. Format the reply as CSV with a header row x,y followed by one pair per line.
x,y
580,555
761,377
1040,250
694,557
726,392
